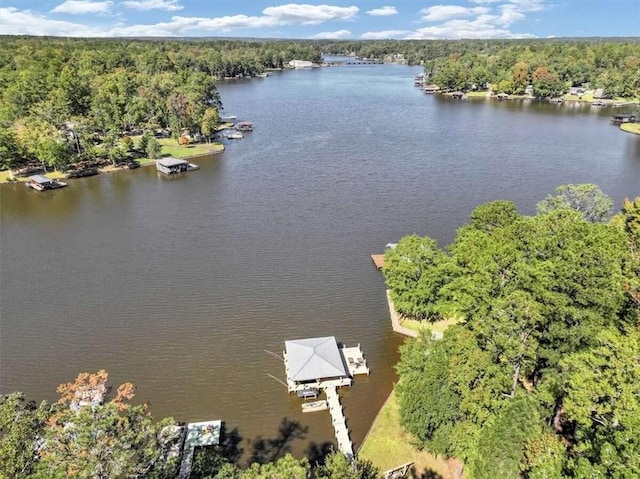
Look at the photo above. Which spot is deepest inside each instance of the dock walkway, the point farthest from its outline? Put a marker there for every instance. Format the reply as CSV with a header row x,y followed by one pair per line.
x,y
339,423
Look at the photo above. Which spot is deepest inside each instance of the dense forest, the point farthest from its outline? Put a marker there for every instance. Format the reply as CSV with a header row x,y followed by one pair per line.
x,y
90,433
540,375
78,100
67,100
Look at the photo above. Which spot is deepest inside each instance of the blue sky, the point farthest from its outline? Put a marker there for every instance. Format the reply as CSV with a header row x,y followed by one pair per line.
x,y
357,19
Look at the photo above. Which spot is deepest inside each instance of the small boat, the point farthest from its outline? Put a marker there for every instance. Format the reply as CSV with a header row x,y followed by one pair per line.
x,y
235,136
308,393
244,126
228,118
314,406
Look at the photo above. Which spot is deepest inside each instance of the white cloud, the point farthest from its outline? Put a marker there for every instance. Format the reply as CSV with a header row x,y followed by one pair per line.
x,y
383,11
332,35
385,34
528,5
78,7
309,14
23,22
484,1
438,13
168,5
485,26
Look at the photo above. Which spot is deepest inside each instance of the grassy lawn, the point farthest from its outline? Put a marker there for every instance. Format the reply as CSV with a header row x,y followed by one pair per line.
x,y
631,128
477,94
437,327
388,445
588,96
171,148
4,176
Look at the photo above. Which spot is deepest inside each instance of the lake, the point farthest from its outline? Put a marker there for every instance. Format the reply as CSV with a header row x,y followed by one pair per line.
x,y
180,285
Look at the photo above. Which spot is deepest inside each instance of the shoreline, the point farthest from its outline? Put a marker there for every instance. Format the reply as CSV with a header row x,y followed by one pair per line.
x,y
631,128
111,168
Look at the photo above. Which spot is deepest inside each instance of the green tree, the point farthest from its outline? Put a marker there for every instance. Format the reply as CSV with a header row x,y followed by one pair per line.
x,y
336,466
153,148
287,467
628,221
210,122
546,84
603,401
21,426
504,438
415,270
9,150
588,199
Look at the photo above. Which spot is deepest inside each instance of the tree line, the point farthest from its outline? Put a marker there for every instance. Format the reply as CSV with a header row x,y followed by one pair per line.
x,y
551,66
540,377
68,100
92,432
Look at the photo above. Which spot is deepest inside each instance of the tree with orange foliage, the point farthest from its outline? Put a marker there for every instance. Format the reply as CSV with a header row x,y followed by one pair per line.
x,y
90,436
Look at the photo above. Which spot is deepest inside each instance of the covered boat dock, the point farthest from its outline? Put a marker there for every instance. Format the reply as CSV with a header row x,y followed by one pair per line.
x,y
171,166
318,363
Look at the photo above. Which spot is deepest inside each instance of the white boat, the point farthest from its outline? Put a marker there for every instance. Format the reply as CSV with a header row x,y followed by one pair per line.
x,y
228,118
235,136
314,406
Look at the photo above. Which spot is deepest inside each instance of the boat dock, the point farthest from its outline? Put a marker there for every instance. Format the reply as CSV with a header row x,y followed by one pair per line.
x,y
355,360
319,363
339,423
378,260
199,434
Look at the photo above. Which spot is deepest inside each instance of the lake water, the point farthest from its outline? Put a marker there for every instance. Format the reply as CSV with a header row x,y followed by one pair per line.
x,y
179,285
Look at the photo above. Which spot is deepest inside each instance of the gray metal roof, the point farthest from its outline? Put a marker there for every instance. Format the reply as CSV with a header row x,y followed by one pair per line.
x,y
314,358
169,162
40,179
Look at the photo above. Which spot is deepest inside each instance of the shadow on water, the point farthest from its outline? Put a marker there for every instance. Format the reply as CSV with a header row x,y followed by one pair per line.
x,y
230,444
317,452
269,450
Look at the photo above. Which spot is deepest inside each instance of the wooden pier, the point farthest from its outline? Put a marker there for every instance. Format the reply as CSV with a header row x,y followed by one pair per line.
x,y
378,260
339,423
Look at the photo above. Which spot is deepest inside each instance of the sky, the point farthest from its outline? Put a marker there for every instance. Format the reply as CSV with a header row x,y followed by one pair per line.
x,y
331,19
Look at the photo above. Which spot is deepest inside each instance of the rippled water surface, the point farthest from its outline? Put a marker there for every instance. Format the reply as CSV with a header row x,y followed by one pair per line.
x,y
180,284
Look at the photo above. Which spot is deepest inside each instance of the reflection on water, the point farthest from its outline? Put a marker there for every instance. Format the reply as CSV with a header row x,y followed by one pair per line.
x,y
180,284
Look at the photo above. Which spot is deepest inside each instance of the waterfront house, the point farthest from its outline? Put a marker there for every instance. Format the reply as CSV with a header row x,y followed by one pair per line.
x,y
42,183
171,166
300,64
599,94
